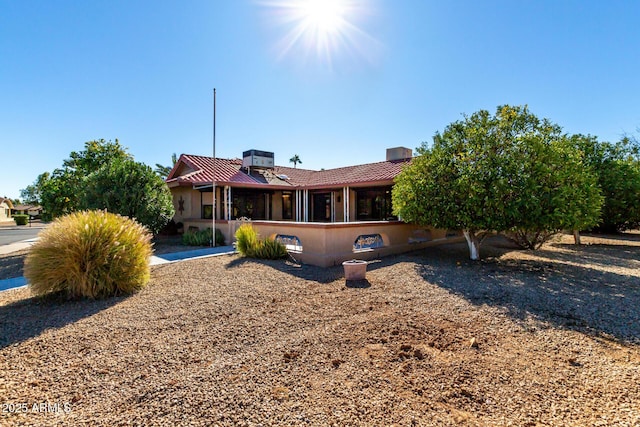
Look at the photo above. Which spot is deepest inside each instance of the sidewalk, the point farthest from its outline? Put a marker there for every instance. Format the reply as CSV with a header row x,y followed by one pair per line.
x,y
11,225
18,246
18,282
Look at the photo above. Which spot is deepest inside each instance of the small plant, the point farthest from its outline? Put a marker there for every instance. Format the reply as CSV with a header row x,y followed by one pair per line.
x,y
249,245
92,254
270,249
246,240
21,219
202,238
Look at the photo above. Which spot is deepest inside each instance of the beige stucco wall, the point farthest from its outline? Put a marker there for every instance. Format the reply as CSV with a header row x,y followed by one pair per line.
x,y
187,195
5,212
331,244
328,244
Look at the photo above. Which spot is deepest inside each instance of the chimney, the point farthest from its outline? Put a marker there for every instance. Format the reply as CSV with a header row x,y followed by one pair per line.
x,y
399,153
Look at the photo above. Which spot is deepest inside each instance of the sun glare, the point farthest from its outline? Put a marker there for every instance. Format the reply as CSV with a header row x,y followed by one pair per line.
x,y
324,15
323,29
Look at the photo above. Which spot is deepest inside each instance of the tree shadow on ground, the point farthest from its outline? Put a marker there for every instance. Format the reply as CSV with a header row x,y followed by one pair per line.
x,y
322,275
12,265
600,254
630,235
28,318
561,289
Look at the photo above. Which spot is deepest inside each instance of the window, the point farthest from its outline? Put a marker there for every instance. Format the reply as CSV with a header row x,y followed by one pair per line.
x,y
287,205
322,207
374,204
207,211
249,204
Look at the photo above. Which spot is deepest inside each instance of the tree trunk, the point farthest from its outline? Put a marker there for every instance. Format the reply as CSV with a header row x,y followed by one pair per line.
x,y
576,237
474,244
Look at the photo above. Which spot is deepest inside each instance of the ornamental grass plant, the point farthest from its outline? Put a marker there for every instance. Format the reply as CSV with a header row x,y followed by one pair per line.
x,y
246,239
250,245
94,254
270,249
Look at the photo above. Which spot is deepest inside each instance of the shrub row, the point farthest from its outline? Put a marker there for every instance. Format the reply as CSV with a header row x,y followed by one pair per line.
x,y
202,238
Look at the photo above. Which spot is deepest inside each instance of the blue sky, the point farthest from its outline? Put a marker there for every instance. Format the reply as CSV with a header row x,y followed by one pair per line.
x,y
144,72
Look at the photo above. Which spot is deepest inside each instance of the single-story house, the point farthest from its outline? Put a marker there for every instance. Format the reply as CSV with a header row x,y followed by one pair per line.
x,y
323,217
34,211
6,205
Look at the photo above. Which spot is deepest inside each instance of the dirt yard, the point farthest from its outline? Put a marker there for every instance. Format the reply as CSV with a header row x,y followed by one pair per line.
x,y
521,338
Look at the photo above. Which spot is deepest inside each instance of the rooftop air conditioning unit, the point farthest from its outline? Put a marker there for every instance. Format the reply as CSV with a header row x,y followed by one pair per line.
x,y
257,159
398,153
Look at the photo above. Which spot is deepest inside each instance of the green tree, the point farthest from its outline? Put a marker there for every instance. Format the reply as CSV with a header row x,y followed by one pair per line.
x,y
295,160
561,192
60,192
490,173
163,171
32,193
617,166
130,189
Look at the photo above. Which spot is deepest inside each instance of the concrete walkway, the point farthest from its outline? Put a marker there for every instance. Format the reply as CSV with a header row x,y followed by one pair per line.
x,y
18,282
18,246
195,253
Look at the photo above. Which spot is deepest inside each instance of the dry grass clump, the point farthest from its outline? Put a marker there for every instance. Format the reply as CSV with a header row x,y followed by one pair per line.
x,y
92,254
250,245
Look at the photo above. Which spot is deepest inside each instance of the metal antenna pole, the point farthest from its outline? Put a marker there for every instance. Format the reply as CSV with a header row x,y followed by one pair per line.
x,y
213,208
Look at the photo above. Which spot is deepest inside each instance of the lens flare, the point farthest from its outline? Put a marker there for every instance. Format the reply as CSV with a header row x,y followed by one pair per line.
x,y
323,30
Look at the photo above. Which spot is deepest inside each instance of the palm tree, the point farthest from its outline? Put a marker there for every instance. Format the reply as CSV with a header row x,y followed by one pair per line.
x,y
295,160
164,171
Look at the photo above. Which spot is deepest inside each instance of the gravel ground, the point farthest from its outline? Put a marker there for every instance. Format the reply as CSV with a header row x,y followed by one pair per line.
x,y
521,338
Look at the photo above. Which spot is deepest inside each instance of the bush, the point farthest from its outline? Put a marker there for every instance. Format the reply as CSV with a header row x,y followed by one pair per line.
x,y
270,249
132,189
92,254
246,240
249,245
21,219
202,238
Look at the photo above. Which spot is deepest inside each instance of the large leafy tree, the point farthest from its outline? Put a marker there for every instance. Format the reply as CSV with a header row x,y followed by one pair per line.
x,y
32,193
560,191
617,166
60,192
104,176
504,172
131,189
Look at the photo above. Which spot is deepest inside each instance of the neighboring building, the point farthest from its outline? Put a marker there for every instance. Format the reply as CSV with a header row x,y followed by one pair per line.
x,y
34,211
324,217
6,206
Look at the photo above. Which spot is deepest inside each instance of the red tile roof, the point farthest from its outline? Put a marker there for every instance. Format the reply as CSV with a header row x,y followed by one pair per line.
x,y
370,173
199,170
